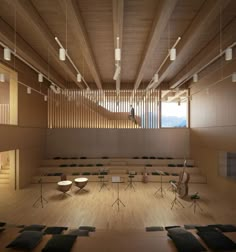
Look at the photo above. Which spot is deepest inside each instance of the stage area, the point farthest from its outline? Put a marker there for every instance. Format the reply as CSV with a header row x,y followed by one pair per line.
x,y
91,207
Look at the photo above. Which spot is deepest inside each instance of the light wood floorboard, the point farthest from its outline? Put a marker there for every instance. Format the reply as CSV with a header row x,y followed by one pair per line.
x,y
141,209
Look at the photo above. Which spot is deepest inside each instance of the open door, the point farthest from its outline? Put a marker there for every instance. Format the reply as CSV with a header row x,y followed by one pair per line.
x,y
8,169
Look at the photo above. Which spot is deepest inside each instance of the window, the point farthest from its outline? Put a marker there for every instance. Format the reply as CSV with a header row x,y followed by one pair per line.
x,y
174,109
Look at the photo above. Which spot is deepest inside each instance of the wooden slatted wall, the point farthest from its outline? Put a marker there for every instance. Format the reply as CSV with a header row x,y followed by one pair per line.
x,y
102,109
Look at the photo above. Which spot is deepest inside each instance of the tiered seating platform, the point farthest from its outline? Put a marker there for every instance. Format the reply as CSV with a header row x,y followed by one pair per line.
x,y
51,169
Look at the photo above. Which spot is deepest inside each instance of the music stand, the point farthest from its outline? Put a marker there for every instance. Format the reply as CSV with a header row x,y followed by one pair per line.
x,y
117,180
130,182
160,189
195,197
40,199
102,182
175,200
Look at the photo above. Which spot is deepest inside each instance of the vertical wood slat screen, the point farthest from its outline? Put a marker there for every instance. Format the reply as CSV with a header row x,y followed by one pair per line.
x,y
4,113
102,109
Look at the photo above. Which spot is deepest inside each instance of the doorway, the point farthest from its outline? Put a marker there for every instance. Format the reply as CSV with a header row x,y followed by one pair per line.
x,y
8,169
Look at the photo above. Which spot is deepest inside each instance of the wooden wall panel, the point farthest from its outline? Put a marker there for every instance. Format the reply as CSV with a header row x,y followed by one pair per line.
x,y
213,124
117,142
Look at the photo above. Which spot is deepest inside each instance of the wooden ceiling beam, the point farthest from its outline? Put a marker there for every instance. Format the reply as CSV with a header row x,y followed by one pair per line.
x,y
26,10
80,34
118,16
182,93
207,14
25,51
211,51
162,16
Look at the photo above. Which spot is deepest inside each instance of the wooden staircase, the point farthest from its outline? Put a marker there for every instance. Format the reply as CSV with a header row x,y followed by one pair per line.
x,y
4,177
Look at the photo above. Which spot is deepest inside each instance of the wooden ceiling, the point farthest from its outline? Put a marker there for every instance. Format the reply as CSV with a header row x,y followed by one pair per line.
x,y
146,28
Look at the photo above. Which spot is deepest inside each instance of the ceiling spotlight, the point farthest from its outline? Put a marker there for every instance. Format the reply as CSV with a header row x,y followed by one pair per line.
x,y
195,77
172,54
234,77
117,54
156,77
79,77
2,77
28,90
45,98
55,89
228,54
40,77
7,54
117,73
62,54
58,90
117,50
179,102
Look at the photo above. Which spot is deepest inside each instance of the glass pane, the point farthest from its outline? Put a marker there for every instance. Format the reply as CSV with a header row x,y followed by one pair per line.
x,y
174,109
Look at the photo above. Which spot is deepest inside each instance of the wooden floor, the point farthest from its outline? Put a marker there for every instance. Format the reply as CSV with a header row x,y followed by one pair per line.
x,y
94,208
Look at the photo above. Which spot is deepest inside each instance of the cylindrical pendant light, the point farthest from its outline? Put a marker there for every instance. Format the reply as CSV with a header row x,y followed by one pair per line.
x,y
7,54
228,54
156,77
179,102
58,90
117,54
45,98
172,54
234,77
40,77
2,77
195,77
62,54
79,77
28,90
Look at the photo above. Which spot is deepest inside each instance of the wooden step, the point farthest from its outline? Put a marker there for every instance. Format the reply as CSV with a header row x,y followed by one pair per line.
x,y
114,169
5,168
113,161
4,175
5,180
4,171
195,178
5,185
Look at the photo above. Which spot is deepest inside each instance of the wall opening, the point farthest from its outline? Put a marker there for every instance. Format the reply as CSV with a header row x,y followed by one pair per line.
x,y
8,164
8,96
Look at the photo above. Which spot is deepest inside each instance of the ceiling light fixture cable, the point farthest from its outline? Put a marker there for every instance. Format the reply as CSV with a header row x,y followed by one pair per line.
x,y
116,75
72,63
206,65
154,81
28,64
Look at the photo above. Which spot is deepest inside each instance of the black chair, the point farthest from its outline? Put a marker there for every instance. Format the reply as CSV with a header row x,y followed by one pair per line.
x,y
130,181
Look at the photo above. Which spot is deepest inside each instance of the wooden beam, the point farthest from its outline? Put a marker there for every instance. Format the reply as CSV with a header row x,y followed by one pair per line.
x,y
26,10
163,14
80,34
25,51
207,54
207,14
181,93
118,15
